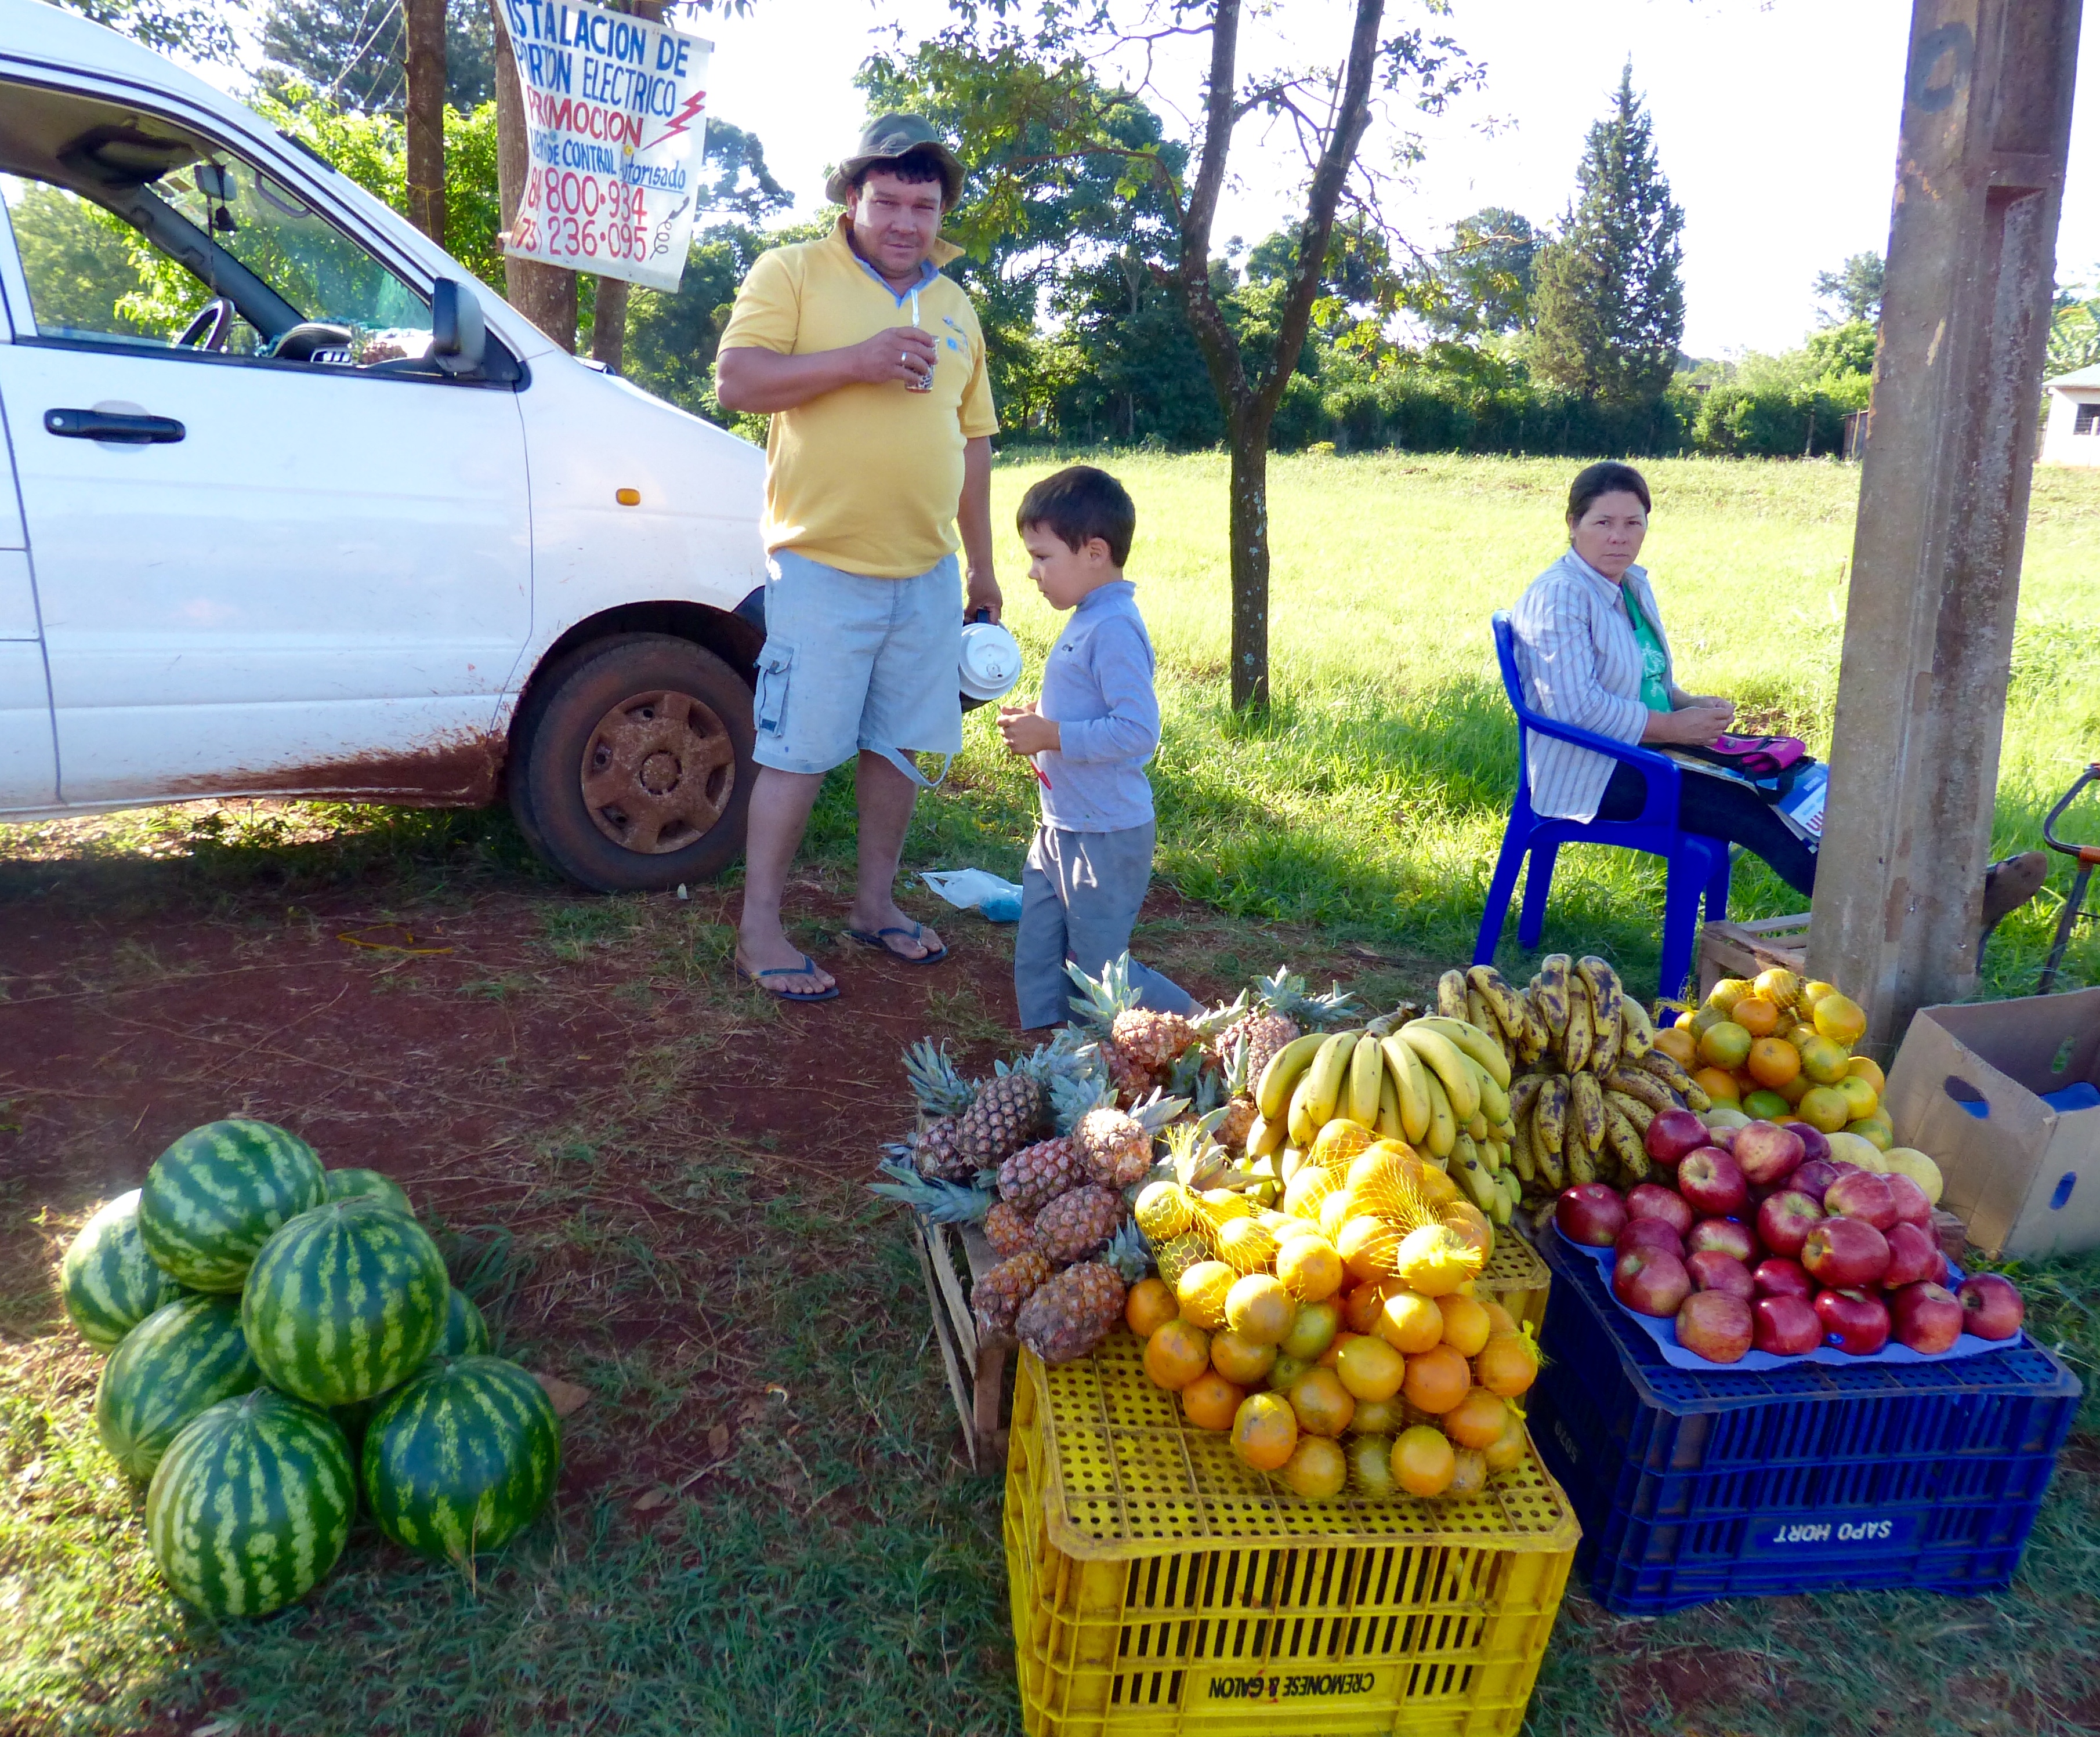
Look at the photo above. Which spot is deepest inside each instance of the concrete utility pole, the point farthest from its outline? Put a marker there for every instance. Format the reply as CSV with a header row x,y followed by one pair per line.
x,y
544,294
1943,502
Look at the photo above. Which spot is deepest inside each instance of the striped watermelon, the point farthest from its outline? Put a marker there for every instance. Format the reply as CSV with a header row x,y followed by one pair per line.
x,y
212,1199
342,1184
462,1458
109,1282
252,1505
465,1334
174,1363
344,1302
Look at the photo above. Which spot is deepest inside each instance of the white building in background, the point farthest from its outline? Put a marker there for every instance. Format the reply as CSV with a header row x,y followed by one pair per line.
x,y
2073,435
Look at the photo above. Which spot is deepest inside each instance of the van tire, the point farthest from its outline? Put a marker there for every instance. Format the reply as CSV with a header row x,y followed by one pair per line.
x,y
662,798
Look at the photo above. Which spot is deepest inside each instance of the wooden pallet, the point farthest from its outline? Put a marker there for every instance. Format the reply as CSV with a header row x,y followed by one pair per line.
x,y
977,1374
1743,949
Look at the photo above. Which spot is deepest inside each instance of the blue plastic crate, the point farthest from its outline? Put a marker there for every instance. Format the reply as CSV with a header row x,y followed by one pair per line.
x,y
1693,1486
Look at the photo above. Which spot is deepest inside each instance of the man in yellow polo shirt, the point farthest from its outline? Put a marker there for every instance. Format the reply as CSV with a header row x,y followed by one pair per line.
x,y
878,466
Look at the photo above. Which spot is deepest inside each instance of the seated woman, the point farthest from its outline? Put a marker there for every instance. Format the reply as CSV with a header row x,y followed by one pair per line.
x,y
1591,648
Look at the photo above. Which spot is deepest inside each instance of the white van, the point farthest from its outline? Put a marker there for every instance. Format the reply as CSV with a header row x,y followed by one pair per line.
x,y
291,506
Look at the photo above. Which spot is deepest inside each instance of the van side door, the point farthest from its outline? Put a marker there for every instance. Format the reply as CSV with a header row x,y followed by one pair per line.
x,y
28,762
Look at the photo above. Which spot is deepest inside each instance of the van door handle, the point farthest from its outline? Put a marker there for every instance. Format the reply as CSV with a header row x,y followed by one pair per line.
x,y
106,424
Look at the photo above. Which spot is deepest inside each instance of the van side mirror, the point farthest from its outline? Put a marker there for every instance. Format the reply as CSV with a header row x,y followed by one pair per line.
x,y
458,338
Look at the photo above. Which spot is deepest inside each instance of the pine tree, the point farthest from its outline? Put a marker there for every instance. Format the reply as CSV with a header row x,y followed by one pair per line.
x,y
1608,302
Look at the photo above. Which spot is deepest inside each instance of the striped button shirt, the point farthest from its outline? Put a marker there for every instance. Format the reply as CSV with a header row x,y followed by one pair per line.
x,y
1582,665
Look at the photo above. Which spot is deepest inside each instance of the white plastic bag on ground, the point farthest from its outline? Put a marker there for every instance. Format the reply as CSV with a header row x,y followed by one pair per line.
x,y
976,889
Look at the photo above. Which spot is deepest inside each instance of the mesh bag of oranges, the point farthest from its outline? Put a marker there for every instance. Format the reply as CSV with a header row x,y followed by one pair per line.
x,y
1338,1341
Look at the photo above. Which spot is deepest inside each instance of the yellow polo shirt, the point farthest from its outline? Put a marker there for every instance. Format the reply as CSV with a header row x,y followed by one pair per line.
x,y
865,478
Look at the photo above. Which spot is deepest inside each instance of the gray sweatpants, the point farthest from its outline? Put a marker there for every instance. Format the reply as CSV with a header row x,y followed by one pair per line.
x,y
1080,894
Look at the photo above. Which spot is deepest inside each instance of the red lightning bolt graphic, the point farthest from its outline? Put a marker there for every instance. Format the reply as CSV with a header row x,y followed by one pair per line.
x,y
679,123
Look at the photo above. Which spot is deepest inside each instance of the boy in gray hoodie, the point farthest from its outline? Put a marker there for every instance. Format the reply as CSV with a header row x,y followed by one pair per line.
x,y
1090,733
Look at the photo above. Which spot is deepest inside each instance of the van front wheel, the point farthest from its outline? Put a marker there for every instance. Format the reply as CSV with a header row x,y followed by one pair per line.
x,y
634,769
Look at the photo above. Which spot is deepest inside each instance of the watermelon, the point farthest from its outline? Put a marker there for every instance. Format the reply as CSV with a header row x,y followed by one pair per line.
x,y
252,1504
462,1458
344,1302
177,1362
109,1282
342,1184
465,1333
212,1199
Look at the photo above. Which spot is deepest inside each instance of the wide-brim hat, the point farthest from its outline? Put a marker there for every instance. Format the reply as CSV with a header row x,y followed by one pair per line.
x,y
888,137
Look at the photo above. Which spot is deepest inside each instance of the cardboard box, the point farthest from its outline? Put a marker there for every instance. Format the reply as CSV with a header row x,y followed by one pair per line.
x,y
1967,1087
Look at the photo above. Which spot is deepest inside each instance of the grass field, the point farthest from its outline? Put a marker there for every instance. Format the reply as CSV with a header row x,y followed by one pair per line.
x,y
652,1180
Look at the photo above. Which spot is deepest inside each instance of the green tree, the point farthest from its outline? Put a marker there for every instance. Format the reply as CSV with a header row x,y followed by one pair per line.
x,y
1483,280
2074,332
1609,305
1842,351
1853,292
354,52
204,29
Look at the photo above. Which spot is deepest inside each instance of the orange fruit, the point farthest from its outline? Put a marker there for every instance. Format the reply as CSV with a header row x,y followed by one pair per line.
x,y
1499,1319
1332,1355
1507,1365
1360,1307
1211,1402
1322,1405
1149,1306
1264,1431
1823,1107
1823,1061
1477,1419
1378,1418
1370,1369
1317,1469
1410,1322
1773,1061
1336,1210
1811,992
1469,1224
1177,1353
1720,1088
1756,1015
1309,1268
1366,1246
1800,1036
1764,1104
1285,1370
1424,1461
1869,1070
1258,1309
1370,1464
1877,1129
1508,1451
1841,1018
1687,1021
1240,1359
1724,1045
1202,1290
1678,1044
1795,1089
1469,1473
1725,994
1466,1324
1436,1380
1778,986
1310,1332
1859,1093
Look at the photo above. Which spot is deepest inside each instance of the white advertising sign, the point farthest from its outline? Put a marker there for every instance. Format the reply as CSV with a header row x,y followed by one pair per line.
x,y
614,123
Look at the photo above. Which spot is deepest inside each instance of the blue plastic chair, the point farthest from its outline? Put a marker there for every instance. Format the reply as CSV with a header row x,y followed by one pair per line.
x,y
1698,865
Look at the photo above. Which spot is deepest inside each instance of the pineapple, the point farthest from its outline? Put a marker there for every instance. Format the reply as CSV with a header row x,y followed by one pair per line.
x,y
1154,1040
1077,1222
1238,1119
1116,1145
1065,1319
1282,1010
1131,1081
1005,1115
936,1201
942,1097
1037,1174
936,1152
997,1297
1009,1230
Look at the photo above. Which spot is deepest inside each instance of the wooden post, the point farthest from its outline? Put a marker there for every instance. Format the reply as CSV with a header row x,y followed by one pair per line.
x,y
544,294
1943,502
424,27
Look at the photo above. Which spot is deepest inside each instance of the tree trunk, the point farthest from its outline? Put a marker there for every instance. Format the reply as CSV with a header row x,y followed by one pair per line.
x,y
609,307
546,295
426,32
1250,535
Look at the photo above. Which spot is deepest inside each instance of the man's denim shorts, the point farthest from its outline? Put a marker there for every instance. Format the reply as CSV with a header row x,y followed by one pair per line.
x,y
852,662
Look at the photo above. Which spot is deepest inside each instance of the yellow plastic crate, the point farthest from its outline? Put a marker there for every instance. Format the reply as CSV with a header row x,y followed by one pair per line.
x,y
1160,1589
1517,1279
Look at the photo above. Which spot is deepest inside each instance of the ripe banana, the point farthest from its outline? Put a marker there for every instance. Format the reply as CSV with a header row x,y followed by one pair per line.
x,y
1366,1074
1451,994
1300,1123
1552,995
1410,1081
1471,1174
1549,1115
1638,1037
1443,1125
1482,1017
1588,1098
1329,1068
1635,1083
1265,1136
1625,1140
1663,1066
1471,1040
1389,1124
1551,1170
1520,1159
1494,1101
1523,1094
1494,989
1477,1126
1447,1064
1636,1112
1272,1092
1575,1041
1581,1161
1602,983
1512,1197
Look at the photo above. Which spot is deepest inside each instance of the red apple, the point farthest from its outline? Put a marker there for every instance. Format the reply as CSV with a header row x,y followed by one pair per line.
x,y
1863,1195
1651,1281
1729,1236
1711,1270
1672,1134
1651,1200
1591,1213
1785,1219
1648,1233
1767,1153
1786,1326
1724,1138
1992,1307
1816,1174
1856,1324
1911,1254
1712,1181
1842,1253
1927,1317
1715,1326
1814,1148
1911,1206
1778,1276
1941,1269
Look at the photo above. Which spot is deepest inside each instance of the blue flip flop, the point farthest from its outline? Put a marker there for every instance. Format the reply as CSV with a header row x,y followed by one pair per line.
x,y
807,968
880,942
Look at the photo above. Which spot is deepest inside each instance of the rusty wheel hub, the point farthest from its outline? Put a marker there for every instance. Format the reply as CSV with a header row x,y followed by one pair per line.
x,y
658,772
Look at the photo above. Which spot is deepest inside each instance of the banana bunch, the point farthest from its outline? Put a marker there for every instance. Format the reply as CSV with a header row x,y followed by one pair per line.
x,y
1589,1078
1440,1083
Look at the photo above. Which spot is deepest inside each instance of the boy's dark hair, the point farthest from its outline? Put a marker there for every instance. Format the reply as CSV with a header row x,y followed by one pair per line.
x,y
1079,503
916,166
1608,478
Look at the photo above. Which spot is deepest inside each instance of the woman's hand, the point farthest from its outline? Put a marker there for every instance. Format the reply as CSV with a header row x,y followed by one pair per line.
x,y
1694,725
1025,731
